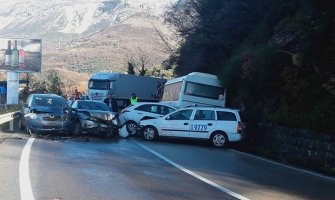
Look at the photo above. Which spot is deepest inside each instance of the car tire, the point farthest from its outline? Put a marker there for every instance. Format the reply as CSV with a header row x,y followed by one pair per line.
x,y
150,133
219,139
21,126
77,128
131,127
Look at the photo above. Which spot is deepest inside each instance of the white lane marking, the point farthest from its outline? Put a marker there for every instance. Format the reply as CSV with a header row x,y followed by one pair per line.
x,y
286,166
217,186
25,186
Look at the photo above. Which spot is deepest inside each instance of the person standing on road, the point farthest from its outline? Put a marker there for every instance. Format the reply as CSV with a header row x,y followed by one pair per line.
x,y
133,99
110,102
76,94
3,94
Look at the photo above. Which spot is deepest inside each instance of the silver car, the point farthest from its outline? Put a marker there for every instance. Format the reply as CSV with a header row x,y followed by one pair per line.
x,y
94,117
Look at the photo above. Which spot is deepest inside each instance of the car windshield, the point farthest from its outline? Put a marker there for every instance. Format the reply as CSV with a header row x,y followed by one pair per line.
x,y
55,102
90,105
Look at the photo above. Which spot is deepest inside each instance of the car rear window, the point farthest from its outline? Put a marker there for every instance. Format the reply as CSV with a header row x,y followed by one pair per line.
x,y
226,116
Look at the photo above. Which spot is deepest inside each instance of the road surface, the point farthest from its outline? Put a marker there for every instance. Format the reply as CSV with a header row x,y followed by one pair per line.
x,y
100,168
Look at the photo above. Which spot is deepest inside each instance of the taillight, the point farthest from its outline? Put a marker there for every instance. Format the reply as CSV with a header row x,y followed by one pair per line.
x,y
124,111
239,127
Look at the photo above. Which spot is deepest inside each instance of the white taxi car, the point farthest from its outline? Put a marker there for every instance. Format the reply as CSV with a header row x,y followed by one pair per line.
x,y
218,125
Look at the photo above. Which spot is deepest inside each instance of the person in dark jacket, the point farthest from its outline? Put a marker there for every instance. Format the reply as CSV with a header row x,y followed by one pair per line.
x,y
110,102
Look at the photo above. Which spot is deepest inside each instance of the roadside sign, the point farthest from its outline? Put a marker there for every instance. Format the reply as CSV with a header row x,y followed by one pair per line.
x,y
20,55
13,88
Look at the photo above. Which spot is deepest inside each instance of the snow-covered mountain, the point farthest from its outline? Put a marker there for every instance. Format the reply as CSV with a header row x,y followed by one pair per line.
x,y
42,18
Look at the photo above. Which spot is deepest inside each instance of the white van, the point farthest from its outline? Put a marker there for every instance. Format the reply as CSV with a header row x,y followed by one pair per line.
x,y
194,88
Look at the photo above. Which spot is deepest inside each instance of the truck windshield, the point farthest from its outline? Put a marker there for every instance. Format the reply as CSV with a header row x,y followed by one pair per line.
x,y
98,84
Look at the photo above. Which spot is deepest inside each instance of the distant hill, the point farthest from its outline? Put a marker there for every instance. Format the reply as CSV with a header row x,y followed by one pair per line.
x,y
90,35
110,49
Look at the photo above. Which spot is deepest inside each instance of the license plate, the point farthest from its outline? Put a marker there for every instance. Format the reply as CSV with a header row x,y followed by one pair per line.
x,y
50,123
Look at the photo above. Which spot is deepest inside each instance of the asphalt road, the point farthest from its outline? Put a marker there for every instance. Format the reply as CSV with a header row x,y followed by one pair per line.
x,y
100,168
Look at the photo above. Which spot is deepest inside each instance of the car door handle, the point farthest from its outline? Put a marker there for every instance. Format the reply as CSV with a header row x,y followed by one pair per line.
x,y
209,124
185,123
140,113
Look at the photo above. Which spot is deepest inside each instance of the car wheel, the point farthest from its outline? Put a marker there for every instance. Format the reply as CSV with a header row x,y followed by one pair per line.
x,y
149,133
77,128
21,126
131,127
219,139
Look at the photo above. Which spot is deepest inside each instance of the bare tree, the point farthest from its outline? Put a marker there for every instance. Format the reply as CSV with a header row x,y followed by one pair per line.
x,y
131,64
131,68
143,62
168,46
183,16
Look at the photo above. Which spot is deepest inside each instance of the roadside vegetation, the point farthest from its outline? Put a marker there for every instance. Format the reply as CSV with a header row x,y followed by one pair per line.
x,y
276,57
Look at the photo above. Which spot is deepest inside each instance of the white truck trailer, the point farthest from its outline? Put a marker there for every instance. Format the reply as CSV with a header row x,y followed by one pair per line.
x,y
123,85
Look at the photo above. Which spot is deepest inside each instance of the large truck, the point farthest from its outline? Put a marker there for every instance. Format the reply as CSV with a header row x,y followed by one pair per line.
x,y
194,89
147,89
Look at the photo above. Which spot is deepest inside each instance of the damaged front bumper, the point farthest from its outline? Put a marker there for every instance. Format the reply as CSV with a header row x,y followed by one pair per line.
x,y
99,126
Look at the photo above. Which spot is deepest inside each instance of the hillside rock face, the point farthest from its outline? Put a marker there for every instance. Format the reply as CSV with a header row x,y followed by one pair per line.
x,y
90,35
41,18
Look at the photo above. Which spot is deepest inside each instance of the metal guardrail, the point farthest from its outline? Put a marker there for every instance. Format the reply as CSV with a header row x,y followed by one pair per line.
x,y
8,117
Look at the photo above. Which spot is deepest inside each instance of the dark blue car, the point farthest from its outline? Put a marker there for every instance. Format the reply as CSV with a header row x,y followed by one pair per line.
x,y
46,113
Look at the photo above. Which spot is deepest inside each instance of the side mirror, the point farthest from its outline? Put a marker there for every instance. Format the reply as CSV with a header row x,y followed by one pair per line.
x,y
167,118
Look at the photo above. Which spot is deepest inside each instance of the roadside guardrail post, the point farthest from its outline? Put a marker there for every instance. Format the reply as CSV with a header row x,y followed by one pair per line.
x,y
11,125
9,118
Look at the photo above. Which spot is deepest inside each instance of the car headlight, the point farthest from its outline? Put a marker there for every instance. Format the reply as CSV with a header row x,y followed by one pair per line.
x,y
110,116
33,116
115,122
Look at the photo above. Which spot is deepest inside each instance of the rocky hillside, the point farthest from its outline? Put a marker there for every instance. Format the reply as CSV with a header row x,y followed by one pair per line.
x,y
48,18
90,35
109,50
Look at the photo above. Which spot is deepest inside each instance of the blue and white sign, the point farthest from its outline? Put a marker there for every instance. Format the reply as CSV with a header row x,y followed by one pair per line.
x,y
21,55
13,88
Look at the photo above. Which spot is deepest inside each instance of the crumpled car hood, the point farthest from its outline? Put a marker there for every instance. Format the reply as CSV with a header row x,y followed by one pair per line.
x,y
96,114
